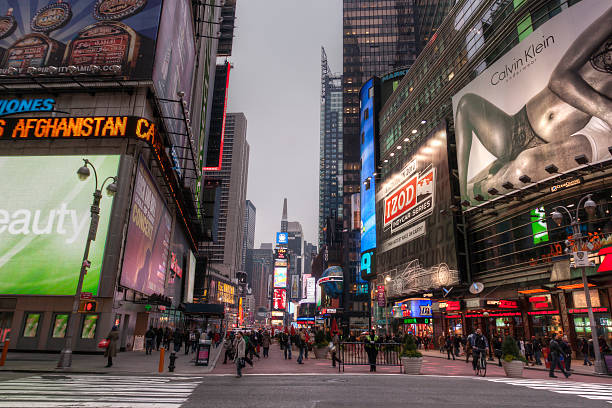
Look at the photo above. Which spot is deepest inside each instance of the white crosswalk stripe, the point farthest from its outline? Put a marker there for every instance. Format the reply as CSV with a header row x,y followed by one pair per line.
x,y
73,390
593,391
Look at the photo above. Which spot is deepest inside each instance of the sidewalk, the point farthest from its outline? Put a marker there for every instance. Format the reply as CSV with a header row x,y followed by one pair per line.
x,y
126,363
577,367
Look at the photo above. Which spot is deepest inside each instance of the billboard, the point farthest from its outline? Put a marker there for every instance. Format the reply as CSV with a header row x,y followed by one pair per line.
x,y
544,102
44,223
295,287
411,226
369,161
148,237
92,36
413,308
282,238
279,301
280,277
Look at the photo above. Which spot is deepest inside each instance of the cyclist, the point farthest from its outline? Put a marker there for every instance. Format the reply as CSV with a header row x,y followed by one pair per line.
x,y
479,347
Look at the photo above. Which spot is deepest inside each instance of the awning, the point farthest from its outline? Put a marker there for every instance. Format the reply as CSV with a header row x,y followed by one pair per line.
x,y
206,309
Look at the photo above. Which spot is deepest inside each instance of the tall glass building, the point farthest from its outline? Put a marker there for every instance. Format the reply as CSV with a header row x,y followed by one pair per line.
x,y
330,165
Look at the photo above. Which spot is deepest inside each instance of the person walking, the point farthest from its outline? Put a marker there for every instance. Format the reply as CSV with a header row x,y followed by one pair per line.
x,y
529,352
497,349
567,353
111,349
178,340
286,345
371,349
334,349
555,357
265,343
468,347
159,337
449,347
167,338
442,343
228,346
149,340
584,348
240,354
300,343
537,350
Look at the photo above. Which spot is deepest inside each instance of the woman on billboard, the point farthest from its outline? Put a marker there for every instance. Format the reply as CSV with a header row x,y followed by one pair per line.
x,y
572,115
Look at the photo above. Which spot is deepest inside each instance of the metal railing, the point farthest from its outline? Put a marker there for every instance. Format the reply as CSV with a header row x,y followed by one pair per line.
x,y
355,353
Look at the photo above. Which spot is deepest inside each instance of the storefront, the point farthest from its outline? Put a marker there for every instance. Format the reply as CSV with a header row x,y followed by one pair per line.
x,y
414,316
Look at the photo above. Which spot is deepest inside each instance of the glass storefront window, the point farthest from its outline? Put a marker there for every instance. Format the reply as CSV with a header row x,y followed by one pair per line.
x,y
90,322
31,325
59,326
546,325
582,326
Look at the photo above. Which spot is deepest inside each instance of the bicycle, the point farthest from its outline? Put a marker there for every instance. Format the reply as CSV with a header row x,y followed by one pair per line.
x,y
481,364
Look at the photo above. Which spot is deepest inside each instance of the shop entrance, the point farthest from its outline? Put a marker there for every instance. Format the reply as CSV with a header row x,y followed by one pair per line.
x,y
546,325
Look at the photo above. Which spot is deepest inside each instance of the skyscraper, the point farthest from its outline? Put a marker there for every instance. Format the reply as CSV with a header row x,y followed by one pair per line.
x,y
225,252
249,231
330,139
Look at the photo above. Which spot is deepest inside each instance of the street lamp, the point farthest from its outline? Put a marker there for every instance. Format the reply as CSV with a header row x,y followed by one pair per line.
x,y
590,207
83,173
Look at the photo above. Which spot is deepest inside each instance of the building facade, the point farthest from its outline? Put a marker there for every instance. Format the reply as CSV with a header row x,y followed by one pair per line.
x,y
250,212
139,112
499,236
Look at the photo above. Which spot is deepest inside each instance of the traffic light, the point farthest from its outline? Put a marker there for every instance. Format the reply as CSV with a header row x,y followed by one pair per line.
x,y
88,306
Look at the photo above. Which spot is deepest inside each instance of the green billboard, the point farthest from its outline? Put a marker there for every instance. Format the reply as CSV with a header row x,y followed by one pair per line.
x,y
44,222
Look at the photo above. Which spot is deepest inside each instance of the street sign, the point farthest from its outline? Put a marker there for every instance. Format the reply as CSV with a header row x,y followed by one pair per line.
x,y
581,258
86,295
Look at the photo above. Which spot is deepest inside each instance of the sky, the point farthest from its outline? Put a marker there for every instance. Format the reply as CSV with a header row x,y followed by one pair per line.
x,y
276,83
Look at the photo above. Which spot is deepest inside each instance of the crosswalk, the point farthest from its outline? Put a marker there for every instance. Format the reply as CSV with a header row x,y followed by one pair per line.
x,y
75,390
594,391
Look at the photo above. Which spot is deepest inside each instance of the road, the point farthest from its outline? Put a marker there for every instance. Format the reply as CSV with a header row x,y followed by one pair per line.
x,y
294,390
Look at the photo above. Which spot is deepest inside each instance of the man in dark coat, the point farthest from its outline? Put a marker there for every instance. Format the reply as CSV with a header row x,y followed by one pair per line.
x,y
555,357
111,349
371,348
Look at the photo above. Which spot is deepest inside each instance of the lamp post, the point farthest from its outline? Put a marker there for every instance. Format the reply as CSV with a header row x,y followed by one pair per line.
x,y
83,172
589,206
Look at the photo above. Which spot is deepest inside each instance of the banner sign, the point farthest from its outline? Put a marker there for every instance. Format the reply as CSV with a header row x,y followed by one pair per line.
x,y
539,104
93,36
44,223
279,301
148,237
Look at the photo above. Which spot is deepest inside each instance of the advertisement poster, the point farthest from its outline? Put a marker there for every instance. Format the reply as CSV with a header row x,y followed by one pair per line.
x,y
81,34
148,238
44,222
280,277
279,301
368,167
60,325
295,287
544,102
173,69
417,242
31,325
89,326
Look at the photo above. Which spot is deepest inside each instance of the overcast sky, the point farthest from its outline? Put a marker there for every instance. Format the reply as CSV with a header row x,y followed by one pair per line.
x,y
276,83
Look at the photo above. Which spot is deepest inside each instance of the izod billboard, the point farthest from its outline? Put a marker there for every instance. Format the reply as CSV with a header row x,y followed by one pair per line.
x,y
416,240
544,102
44,222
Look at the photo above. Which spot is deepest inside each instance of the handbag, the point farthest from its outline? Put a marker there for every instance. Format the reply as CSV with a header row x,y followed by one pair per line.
x,y
103,343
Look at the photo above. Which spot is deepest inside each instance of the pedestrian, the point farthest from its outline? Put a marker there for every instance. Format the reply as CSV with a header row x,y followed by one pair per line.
x,y
286,339
537,350
567,353
178,340
529,352
497,349
265,343
195,339
457,344
442,343
167,338
468,347
228,346
585,351
307,338
449,347
300,339
371,349
603,346
555,356
111,349
240,354
159,337
149,340
333,348
216,339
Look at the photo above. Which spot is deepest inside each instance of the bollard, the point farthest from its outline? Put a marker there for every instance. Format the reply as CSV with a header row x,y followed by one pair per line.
x,y
173,358
162,352
4,351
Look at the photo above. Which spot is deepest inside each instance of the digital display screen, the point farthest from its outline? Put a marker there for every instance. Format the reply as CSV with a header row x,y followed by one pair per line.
x,y
538,225
280,277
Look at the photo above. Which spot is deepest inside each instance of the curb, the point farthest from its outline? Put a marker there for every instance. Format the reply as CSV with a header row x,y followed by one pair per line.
x,y
538,369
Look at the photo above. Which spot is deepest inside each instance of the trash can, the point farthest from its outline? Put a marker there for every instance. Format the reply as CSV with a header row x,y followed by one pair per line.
x,y
202,353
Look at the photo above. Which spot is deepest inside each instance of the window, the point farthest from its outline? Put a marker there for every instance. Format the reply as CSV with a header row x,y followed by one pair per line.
x,y
59,326
30,328
90,322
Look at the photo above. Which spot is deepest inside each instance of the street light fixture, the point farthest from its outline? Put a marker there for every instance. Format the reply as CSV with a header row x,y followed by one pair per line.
x,y
65,360
590,207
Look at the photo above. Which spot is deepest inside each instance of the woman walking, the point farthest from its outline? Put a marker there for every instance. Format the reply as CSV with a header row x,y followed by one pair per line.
x,y
265,343
111,349
240,354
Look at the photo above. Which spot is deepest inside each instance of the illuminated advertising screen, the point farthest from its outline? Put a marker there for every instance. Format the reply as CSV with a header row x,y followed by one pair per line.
x,y
279,301
44,223
100,33
413,308
538,225
369,160
282,238
537,105
415,238
280,277
148,237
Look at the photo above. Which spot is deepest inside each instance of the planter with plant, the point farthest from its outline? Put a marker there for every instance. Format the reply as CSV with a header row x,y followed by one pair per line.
x,y
411,358
512,360
320,344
